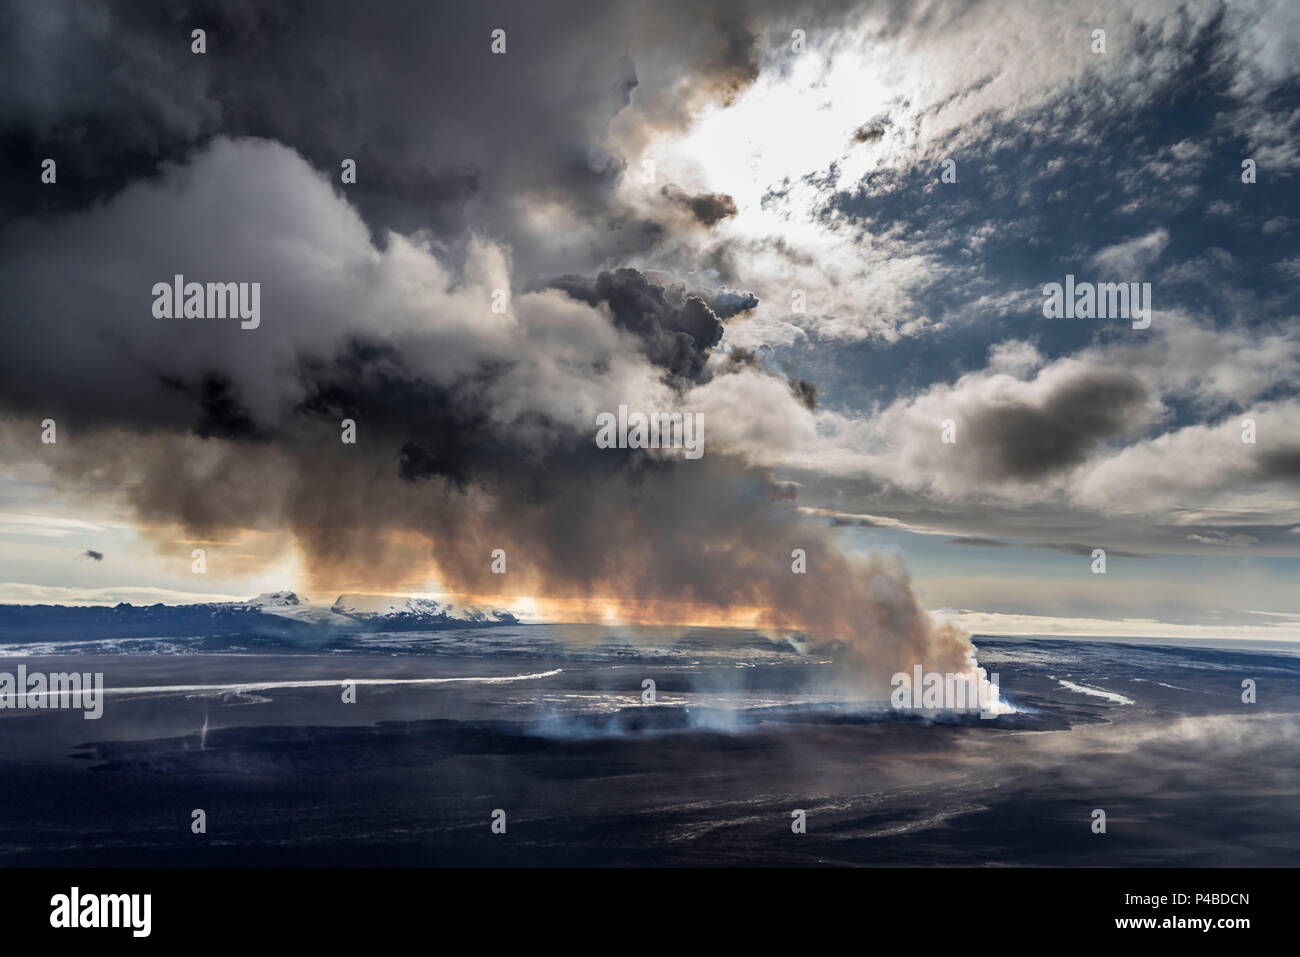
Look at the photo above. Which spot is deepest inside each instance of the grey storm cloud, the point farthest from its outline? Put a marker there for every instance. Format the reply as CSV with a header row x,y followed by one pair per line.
x,y
1028,440
1281,463
446,136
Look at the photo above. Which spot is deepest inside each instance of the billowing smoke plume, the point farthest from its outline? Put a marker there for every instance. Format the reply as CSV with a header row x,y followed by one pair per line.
x,y
474,429
473,402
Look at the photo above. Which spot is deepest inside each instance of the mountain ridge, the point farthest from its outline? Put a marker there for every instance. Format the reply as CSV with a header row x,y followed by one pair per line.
x,y
280,614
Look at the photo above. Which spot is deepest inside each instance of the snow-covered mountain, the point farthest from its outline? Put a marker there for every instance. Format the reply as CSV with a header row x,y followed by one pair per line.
x,y
273,599
383,608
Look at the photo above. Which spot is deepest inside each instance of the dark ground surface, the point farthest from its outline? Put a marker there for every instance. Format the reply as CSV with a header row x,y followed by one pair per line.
x,y
743,732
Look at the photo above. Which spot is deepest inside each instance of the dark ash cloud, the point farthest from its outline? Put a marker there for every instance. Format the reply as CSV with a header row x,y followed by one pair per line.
x,y
220,414
867,134
742,358
977,541
805,392
678,330
709,209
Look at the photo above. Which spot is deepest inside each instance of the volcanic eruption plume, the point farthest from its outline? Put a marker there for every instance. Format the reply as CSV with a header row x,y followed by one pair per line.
x,y
474,428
